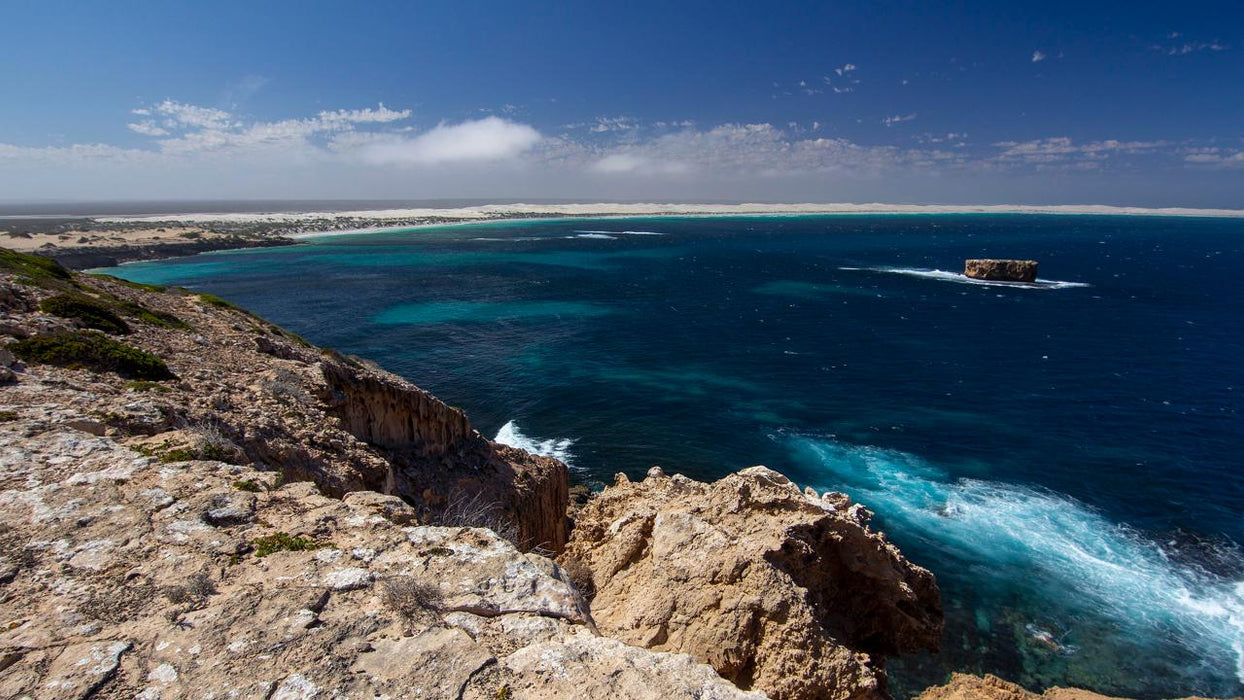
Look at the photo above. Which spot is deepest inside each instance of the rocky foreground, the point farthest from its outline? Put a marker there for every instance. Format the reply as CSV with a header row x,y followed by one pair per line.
x,y
196,503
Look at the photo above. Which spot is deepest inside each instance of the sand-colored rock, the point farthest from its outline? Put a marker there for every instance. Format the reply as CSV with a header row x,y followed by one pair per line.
x,y
263,397
125,577
989,687
779,589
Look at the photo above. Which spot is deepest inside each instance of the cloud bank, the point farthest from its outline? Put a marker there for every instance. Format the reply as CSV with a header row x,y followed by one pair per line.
x,y
182,150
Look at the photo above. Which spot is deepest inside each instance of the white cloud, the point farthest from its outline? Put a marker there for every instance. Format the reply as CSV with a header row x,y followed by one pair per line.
x,y
844,69
1215,157
607,124
1188,47
490,138
198,151
1038,56
1061,151
191,116
898,119
147,127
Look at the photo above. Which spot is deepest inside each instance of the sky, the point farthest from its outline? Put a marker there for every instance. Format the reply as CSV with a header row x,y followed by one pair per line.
x,y
1129,103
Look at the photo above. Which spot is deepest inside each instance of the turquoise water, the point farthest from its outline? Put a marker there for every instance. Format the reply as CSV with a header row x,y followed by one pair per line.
x,y
1065,457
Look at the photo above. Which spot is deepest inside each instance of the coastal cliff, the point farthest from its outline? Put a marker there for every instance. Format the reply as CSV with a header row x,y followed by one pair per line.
x,y
197,503
780,590
235,384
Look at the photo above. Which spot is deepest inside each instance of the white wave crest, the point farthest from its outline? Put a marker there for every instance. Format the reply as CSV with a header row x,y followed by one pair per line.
x,y
1023,536
626,233
557,448
593,234
960,278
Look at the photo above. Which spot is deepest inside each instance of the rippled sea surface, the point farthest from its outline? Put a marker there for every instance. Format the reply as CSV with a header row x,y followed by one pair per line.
x,y
1068,458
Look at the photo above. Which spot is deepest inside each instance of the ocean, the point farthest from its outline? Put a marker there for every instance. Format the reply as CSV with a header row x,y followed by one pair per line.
x,y
1065,457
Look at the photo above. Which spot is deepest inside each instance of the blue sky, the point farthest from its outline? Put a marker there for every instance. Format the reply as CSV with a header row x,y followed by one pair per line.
x,y
971,102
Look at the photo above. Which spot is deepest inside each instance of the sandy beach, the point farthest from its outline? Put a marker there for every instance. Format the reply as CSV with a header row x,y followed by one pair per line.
x,y
506,211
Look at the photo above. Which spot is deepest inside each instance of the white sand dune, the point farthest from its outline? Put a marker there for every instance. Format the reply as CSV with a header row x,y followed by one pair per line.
x,y
503,211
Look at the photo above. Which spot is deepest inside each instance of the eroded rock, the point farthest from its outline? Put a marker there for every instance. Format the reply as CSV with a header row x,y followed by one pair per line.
x,y
777,589
1001,270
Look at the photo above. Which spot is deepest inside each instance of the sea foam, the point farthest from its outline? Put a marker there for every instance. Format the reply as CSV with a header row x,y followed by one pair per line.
x,y
1007,535
611,234
557,448
960,278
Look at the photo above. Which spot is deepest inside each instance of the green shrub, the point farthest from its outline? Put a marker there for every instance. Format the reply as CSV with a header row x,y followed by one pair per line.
x,y
213,300
282,542
6,416
36,269
142,385
180,454
248,485
150,317
93,351
90,312
127,283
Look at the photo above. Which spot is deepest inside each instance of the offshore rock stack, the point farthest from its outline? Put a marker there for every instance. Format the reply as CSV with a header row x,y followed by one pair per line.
x,y
1001,270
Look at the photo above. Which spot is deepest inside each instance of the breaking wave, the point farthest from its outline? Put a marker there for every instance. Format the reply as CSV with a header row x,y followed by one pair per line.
x,y
625,233
1006,533
960,278
557,448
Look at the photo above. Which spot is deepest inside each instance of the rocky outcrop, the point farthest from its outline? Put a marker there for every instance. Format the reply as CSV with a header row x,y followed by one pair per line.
x,y
123,575
441,464
964,687
264,397
778,589
1001,270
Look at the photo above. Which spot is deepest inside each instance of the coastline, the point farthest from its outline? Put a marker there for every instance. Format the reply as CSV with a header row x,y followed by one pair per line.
x,y
95,242
516,211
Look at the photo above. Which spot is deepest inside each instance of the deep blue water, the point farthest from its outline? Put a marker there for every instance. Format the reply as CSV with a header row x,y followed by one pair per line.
x,y
1065,459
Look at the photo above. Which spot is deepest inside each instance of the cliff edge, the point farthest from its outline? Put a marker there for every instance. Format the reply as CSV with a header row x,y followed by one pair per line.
x,y
217,380
780,590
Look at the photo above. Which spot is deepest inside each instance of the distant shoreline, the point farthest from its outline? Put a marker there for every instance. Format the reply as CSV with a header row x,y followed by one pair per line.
x,y
493,212
104,241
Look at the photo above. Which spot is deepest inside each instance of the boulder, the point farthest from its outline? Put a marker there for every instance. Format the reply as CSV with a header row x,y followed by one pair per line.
x,y
1001,270
778,589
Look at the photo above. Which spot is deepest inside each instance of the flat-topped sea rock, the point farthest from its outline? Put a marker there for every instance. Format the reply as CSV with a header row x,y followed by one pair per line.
x,y
1001,270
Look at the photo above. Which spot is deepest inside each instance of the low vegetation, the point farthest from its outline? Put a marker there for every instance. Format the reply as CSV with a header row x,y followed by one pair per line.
x,y
410,597
197,589
36,269
88,311
93,351
217,302
103,312
282,542
477,511
131,285
143,385
151,317
580,575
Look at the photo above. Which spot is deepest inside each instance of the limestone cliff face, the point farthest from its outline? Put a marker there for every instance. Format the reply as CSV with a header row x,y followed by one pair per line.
x,y
1001,270
391,413
780,590
278,403
440,463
